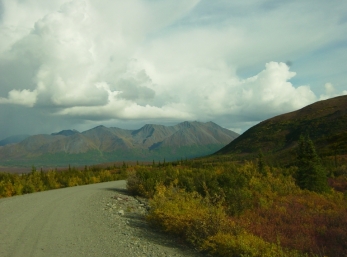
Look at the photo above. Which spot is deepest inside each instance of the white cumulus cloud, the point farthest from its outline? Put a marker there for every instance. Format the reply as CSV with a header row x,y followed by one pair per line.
x,y
101,61
23,97
330,92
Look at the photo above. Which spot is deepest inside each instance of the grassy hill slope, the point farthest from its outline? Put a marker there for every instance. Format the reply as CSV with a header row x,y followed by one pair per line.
x,y
324,121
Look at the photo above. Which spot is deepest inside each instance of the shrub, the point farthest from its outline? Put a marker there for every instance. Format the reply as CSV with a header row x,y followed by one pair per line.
x,y
305,221
186,214
339,183
14,184
234,210
245,244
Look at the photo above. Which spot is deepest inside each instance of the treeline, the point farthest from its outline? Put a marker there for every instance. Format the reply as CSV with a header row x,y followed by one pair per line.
x,y
250,208
36,181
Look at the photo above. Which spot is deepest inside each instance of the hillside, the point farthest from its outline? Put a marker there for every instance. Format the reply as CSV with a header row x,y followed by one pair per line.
x,y
324,121
13,139
102,144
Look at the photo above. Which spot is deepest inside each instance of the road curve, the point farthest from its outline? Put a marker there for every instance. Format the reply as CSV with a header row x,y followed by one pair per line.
x,y
68,222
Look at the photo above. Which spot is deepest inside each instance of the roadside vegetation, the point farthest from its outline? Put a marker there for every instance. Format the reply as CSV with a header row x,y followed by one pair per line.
x,y
227,207
36,181
249,208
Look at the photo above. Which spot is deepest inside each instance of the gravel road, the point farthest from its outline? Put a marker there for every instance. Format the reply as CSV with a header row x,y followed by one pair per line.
x,y
82,221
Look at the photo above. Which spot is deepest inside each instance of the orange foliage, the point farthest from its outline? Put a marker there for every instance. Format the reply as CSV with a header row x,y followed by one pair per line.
x,y
308,222
339,183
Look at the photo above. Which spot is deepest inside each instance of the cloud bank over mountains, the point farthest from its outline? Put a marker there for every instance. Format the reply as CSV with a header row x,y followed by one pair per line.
x,y
69,64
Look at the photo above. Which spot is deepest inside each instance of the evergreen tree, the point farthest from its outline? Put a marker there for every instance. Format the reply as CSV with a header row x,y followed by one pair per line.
x,y
310,174
261,164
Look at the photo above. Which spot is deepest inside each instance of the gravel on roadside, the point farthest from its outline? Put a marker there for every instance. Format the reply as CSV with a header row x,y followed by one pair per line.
x,y
126,213
99,220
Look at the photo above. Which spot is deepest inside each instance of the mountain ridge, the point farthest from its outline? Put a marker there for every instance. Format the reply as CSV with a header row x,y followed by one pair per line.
x,y
324,121
13,139
185,139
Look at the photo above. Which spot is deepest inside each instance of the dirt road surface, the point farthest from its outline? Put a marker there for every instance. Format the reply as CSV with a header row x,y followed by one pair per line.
x,y
81,221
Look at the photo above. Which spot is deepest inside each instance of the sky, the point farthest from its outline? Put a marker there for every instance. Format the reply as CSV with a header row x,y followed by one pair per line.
x,y
77,64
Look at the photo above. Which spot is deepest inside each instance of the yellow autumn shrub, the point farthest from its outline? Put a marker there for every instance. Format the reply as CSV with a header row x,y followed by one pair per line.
x,y
51,180
74,181
105,175
245,244
186,214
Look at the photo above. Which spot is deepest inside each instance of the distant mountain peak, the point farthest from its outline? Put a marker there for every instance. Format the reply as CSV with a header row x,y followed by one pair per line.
x,y
186,139
100,127
147,130
97,129
148,126
188,124
66,132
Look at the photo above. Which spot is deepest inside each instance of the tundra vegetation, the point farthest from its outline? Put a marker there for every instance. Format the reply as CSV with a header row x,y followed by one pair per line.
x,y
250,208
36,181
229,207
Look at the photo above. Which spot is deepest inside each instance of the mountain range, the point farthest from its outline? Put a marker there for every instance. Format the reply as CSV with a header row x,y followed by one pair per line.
x,y
324,121
102,144
13,139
